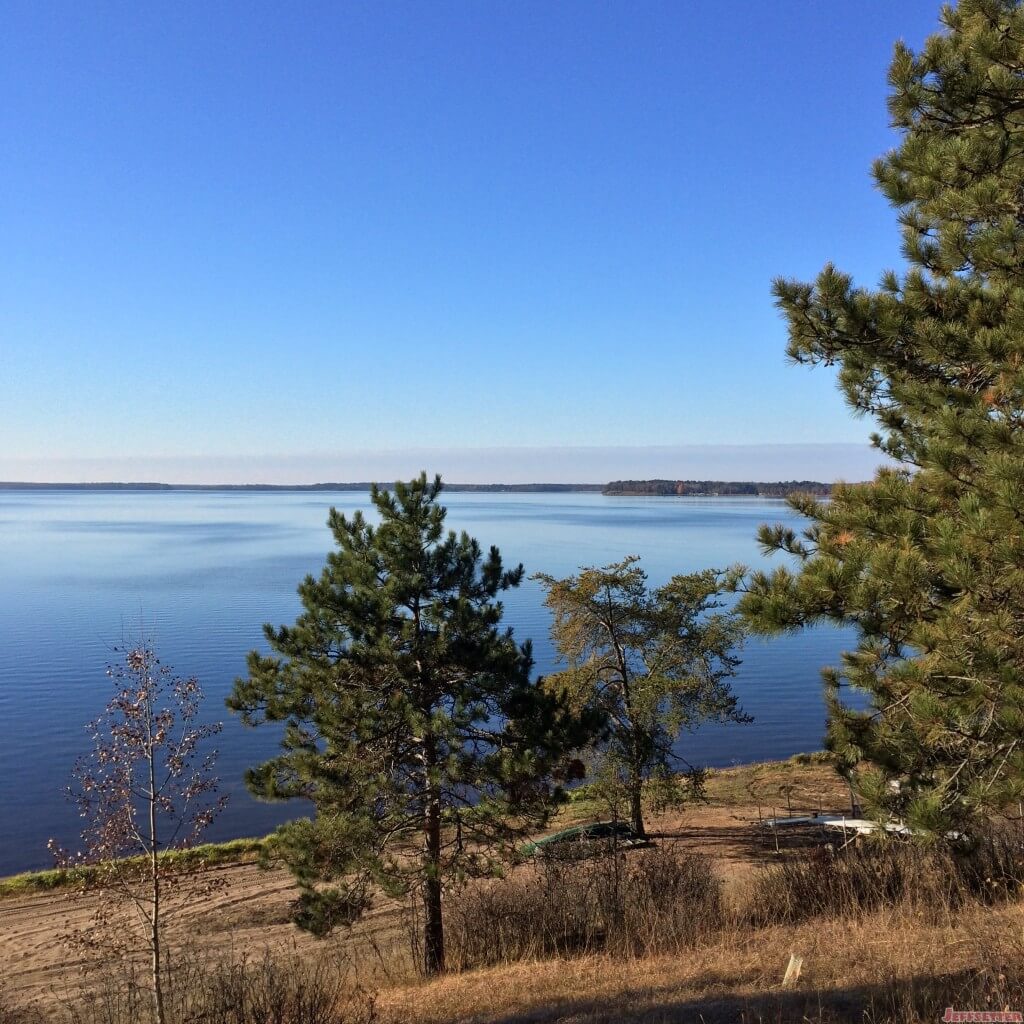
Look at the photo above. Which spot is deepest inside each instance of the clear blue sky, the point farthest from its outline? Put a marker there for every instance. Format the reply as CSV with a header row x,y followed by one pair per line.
x,y
271,230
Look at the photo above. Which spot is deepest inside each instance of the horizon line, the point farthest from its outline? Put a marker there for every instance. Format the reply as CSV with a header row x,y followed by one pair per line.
x,y
353,485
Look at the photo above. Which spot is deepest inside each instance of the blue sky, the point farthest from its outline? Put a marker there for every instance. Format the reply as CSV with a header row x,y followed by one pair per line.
x,y
255,233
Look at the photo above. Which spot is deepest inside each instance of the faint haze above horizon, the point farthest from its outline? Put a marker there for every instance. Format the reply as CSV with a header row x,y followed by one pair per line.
x,y
579,465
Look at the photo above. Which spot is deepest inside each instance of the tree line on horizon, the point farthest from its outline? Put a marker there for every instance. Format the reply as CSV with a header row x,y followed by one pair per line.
x,y
716,488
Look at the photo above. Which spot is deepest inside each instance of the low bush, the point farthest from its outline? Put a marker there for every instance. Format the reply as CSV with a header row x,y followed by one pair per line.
x,y
934,880
647,901
260,991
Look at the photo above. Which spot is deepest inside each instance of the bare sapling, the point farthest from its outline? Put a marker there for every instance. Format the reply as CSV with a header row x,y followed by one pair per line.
x,y
146,788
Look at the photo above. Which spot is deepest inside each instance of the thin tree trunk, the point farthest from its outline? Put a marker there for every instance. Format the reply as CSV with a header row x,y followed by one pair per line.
x,y
636,771
154,942
154,875
636,802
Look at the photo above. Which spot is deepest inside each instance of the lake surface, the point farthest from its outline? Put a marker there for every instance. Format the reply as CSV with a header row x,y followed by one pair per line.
x,y
202,570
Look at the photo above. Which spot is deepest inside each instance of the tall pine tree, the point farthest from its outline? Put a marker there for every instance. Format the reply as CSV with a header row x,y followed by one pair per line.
x,y
927,560
412,723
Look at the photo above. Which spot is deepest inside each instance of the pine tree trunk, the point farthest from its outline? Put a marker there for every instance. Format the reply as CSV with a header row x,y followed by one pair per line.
x,y
433,945
433,925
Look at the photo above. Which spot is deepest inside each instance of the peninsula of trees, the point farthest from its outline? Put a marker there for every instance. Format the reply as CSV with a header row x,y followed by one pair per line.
x,y
714,488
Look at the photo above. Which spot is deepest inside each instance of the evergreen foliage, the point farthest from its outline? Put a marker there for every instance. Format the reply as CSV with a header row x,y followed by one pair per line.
x,y
411,721
650,662
927,560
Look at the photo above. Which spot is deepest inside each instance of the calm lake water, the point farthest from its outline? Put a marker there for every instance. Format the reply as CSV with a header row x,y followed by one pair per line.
x,y
204,570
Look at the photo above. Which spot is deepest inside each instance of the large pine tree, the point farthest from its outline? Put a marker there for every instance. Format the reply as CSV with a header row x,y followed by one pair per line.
x,y
412,723
927,560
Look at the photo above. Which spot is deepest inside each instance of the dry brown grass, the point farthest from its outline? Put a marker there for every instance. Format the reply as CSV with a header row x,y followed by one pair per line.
x,y
931,880
650,901
197,990
886,967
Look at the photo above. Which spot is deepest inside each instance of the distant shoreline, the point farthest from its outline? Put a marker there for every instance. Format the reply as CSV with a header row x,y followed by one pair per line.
x,y
617,488
360,486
